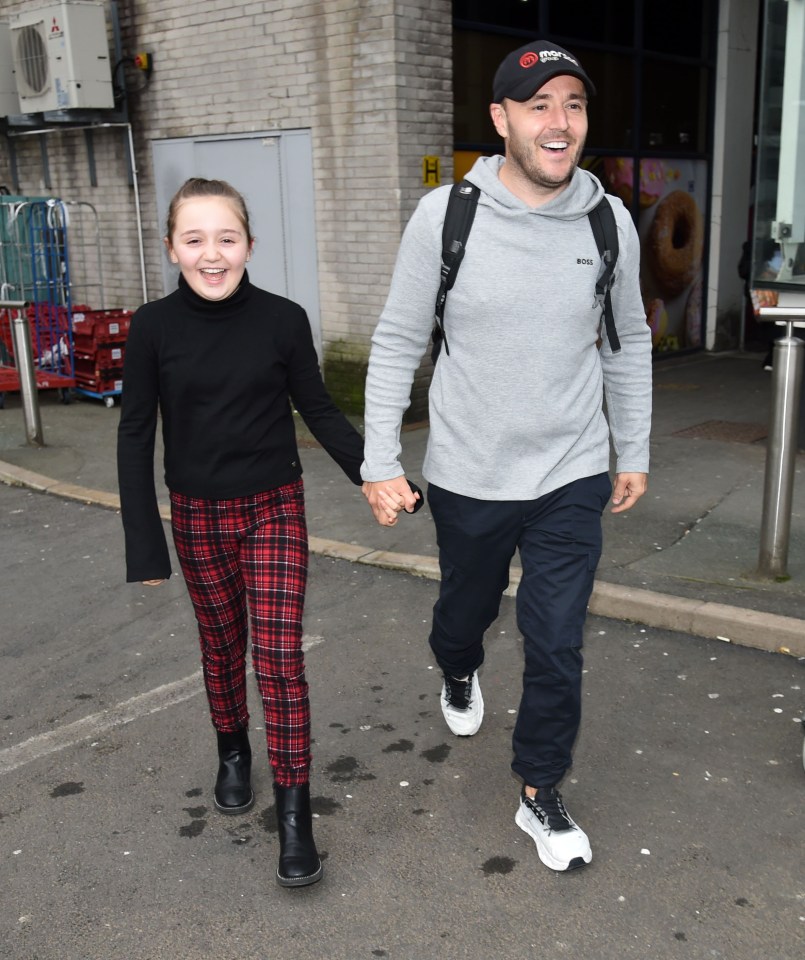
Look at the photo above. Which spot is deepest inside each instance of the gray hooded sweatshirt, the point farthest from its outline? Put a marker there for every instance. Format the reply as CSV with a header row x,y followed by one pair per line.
x,y
516,409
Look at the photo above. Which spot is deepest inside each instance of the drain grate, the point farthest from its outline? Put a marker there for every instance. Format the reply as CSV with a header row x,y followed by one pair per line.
x,y
725,430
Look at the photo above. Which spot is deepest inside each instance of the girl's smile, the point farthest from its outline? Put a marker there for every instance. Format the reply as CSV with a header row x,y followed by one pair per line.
x,y
211,246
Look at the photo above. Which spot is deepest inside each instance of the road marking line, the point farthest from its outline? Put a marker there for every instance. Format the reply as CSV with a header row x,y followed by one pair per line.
x,y
96,724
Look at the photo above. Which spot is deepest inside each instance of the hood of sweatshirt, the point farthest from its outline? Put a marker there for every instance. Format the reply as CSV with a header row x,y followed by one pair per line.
x,y
575,201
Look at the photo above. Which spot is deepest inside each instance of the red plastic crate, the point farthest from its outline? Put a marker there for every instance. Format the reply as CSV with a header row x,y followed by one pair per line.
x,y
92,327
103,355
90,367
99,384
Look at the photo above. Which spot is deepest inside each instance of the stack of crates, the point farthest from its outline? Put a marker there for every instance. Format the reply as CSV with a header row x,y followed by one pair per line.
x,y
99,343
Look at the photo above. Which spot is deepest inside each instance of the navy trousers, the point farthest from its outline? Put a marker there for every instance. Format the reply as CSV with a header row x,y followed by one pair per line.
x,y
559,539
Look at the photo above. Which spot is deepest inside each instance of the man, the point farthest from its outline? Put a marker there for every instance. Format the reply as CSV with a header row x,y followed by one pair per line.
x,y
518,450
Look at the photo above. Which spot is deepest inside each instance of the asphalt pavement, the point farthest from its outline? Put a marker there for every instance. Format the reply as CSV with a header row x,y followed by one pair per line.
x,y
688,778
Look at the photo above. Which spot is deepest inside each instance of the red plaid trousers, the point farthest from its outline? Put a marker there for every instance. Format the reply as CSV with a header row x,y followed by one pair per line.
x,y
242,558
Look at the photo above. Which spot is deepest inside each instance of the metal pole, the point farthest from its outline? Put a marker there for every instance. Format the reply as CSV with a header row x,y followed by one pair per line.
x,y
24,359
781,455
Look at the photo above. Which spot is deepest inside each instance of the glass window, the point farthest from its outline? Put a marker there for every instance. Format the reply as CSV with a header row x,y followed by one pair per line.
x,y
612,109
779,236
475,59
674,113
518,14
681,28
603,21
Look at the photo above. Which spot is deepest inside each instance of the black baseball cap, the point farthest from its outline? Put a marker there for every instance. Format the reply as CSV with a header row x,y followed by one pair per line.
x,y
525,70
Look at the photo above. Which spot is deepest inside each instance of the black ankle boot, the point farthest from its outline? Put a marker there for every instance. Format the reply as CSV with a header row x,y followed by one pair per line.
x,y
233,787
299,860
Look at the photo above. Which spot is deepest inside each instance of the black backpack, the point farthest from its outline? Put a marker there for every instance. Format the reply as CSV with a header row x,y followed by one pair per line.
x,y
457,224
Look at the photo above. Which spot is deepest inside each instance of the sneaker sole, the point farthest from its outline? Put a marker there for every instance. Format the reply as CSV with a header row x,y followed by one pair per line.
x,y
544,854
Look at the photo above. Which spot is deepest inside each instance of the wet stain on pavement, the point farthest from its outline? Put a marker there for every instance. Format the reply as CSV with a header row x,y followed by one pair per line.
x,y
193,829
400,746
197,822
680,936
346,770
387,727
500,865
419,811
376,688
324,806
195,792
83,696
379,953
429,782
437,754
68,789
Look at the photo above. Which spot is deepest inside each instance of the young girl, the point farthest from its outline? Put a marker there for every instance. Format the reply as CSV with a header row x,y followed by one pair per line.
x,y
222,361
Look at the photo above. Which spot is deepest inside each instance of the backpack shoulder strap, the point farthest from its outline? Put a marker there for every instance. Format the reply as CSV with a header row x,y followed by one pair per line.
x,y
458,219
605,231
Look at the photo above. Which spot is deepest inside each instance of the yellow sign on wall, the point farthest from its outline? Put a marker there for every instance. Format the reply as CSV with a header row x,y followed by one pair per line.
x,y
431,172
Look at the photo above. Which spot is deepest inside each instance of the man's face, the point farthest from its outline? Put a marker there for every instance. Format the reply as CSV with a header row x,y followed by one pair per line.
x,y
545,135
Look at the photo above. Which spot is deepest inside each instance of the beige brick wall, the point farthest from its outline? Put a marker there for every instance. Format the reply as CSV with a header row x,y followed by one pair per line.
x,y
371,79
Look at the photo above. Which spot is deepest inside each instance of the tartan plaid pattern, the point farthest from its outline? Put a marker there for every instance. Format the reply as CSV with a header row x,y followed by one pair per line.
x,y
248,558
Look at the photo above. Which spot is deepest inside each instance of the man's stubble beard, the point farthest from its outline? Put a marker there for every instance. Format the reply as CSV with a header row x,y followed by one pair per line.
x,y
526,160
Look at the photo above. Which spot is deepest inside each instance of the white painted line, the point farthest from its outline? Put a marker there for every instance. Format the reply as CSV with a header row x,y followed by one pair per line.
x,y
99,723
96,724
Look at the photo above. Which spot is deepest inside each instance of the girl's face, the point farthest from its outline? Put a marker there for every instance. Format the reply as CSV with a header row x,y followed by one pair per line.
x,y
210,244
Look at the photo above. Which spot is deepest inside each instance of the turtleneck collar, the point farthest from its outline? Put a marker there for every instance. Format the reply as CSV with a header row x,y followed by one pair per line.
x,y
216,308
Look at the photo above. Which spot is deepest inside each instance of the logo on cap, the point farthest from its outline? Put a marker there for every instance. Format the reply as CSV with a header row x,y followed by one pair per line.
x,y
528,60
548,55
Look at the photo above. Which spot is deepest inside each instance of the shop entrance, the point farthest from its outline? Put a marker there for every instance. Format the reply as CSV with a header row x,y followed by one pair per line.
x,y
274,172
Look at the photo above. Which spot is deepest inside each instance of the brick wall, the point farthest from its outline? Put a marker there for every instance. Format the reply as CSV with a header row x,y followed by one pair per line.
x,y
371,79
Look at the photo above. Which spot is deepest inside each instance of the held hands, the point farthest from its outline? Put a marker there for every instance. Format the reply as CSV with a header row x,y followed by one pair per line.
x,y
388,497
628,489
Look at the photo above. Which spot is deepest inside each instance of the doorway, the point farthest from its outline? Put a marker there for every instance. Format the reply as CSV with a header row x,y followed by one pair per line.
x,y
274,172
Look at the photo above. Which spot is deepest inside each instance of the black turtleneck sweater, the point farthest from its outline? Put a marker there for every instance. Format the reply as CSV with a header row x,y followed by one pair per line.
x,y
223,376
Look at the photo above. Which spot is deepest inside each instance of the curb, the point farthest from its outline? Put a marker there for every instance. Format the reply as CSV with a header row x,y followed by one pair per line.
x,y
713,621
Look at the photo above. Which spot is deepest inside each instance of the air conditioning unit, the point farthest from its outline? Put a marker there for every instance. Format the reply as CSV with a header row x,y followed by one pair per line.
x,y
9,101
61,57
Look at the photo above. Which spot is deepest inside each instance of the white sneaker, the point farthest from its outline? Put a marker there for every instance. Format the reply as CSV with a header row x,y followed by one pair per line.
x,y
561,843
462,704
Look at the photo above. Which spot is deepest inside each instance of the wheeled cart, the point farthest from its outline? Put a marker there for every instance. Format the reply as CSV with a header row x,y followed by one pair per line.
x,y
35,267
51,344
